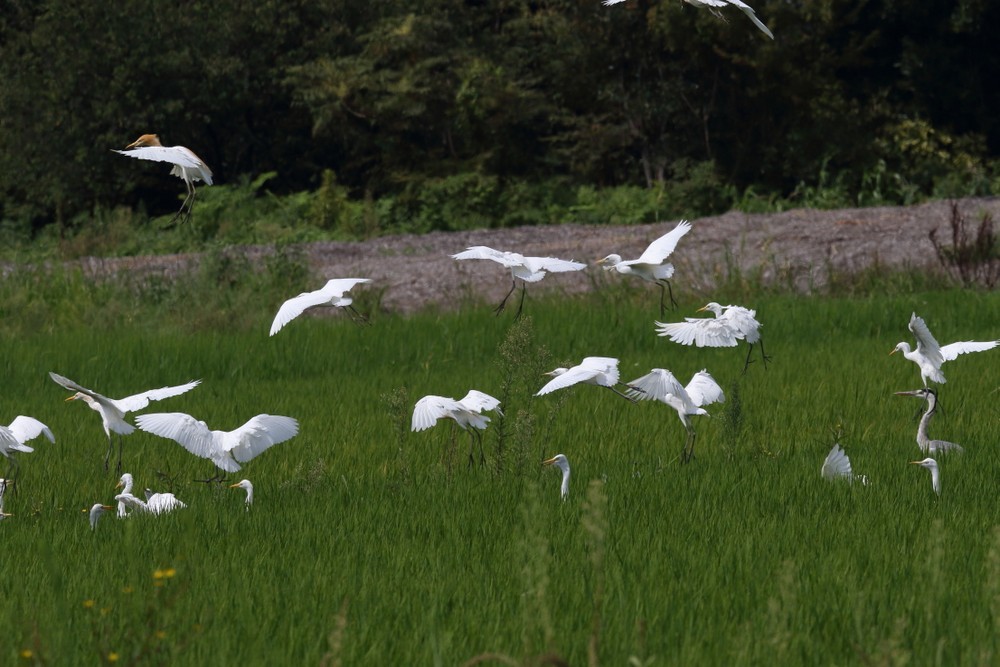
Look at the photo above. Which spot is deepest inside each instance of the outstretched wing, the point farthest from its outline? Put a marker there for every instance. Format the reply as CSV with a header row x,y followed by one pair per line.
x,y
748,10
477,401
927,345
552,265
140,401
29,428
66,383
836,464
258,435
701,332
484,252
664,246
431,408
177,155
704,390
655,385
190,433
952,350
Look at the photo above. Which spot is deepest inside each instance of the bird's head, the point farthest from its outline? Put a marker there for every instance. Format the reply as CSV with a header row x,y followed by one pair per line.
x,y
712,307
242,484
609,262
555,372
145,140
80,396
558,461
900,347
928,463
126,480
919,393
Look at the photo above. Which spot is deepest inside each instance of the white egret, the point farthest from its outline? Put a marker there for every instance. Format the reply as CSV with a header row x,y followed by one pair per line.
x,y
527,269
226,449
730,325
929,356
467,413
20,431
125,484
155,503
714,5
113,411
838,465
928,446
331,294
562,463
247,486
931,465
651,265
187,165
601,371
661,385
96,512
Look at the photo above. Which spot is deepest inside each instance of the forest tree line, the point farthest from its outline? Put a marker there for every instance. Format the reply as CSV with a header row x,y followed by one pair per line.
x,y
388,98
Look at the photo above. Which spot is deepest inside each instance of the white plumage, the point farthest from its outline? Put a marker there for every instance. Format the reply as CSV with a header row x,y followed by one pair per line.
x,y
331,294
651,265
730,325
467,412
20,431
186,165
930,356
561,462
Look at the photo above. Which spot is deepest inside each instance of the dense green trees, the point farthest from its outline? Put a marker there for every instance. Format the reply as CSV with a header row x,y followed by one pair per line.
x,y
489,98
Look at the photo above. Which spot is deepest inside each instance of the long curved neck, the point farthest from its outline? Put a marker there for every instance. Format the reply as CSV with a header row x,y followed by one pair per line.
x,y
922,439
250,496
936,480
564,489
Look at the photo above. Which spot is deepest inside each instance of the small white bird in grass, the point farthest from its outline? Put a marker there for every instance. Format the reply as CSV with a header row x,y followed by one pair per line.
x,y
837,465
651,265
562,463
125,484
931,465
187,165
226,449
713,6
467,413
601,371
929,356
20,431
247,486
527,269
730,325
155,503
96,512
661,385
928,446
331,294
113,411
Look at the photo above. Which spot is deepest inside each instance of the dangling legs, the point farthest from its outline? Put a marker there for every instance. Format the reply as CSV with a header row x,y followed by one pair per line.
x,y
499,309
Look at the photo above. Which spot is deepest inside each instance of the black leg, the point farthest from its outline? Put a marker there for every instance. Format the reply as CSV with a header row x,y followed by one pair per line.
x,y
520,305
499,309
111,448
747,363
357,317
763,356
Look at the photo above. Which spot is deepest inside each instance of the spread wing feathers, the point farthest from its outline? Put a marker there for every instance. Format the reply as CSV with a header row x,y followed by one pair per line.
x,y
332,293
704,390
927,345
951,351
531,269
552,265
429,409
478,401
28,428
66,383
742,6
9,443
484,252
160,503
744,322
190,433
140,401
655,385
259,434
701,332
664,246
836,464
601,371
179,156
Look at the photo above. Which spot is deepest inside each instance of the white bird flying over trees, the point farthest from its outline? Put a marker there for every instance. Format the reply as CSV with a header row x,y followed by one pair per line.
x,y
929,356
730,325
527,269
661,385
714,5
226,449
331,294
187,165
562,463
931,465
20,431
467,413
113,411
928,446
651,265
601,371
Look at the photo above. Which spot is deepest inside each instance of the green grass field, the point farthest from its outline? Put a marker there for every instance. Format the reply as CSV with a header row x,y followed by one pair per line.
x,y
369,544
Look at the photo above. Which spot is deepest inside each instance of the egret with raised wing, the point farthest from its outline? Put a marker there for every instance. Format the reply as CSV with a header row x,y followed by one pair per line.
x,y
929,356
186,165
600,371
730,325
651,265
13,438
331,294
467,413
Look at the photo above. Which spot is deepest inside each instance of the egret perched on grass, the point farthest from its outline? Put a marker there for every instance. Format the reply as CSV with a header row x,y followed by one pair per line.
x,y
331,294
562,463
96,512
113,411
247,486
730,325
661,385
226,449
837,465
928,446
527,269
651,265
187,165
20,431
931,465
125,484
467,412
929,356
601,371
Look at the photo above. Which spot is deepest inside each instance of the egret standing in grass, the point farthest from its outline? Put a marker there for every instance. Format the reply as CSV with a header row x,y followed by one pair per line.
x,y
527,269
331,294
247,486
14,437
928,446
730,325
562,463
652,265
661,385
931,465
600,371
113,411
96,512
929,356
467,413
187,165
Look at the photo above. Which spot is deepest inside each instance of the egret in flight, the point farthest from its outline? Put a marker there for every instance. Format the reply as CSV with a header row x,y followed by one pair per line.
x,y
601,371
247,486
929,356
651,265
331,294
730,325
714,5
467,413
928,446
20,431
187,165
226,449
527,269
113,411
95,514
661,385
931,465
562,463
